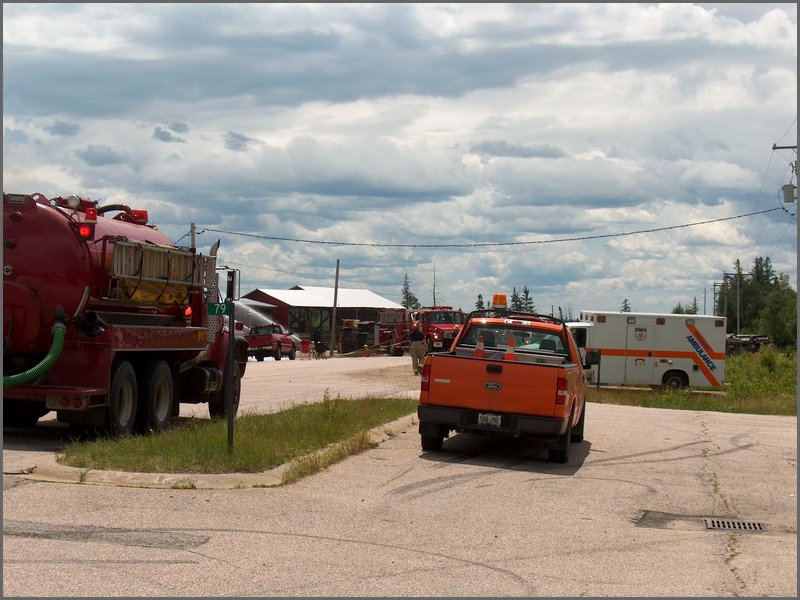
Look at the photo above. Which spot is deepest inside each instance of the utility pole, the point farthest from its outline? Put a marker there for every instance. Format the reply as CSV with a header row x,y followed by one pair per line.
x,y
789,190
333,316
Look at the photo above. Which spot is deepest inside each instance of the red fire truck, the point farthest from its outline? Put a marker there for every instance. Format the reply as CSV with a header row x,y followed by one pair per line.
x,y
105,321
440,324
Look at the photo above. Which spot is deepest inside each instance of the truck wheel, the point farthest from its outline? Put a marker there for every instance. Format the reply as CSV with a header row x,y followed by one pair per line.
x,y
259,357
577,432
432,443
674,380
156,396
293,353
560,452
278,353
122,398
216,409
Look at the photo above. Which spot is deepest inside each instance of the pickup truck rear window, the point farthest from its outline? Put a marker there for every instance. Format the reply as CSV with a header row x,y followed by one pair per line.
x,y
526,339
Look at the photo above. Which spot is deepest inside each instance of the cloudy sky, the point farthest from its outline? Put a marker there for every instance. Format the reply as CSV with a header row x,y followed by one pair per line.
x,y
591,153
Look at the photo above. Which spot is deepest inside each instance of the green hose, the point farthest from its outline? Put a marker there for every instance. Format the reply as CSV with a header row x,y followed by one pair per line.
x,y
59,331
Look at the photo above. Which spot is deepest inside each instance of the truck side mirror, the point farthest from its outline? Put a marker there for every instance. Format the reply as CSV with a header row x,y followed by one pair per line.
x,y
592,358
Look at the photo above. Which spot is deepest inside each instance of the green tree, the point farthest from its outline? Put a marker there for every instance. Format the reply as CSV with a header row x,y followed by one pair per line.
x,y
516,300
691,309
479,305
759,302
409,299
526,300
626,306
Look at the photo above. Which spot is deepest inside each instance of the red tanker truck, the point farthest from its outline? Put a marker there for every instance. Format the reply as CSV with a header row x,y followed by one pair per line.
x,y
106,321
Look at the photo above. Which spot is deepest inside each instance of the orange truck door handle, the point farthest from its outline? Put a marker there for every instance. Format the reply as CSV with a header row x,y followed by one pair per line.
x,y
494,368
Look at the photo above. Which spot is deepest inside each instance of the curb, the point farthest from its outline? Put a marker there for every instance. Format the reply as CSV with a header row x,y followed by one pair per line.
x,y
50,471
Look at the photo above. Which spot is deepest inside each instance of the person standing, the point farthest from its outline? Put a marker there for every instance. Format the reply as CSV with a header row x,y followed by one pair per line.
x,y
417,347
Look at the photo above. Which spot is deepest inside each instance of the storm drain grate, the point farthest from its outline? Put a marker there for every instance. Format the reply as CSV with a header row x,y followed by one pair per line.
x,y
728,525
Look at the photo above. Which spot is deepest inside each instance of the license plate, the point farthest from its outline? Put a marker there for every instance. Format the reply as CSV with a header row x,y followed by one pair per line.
x,y
489,419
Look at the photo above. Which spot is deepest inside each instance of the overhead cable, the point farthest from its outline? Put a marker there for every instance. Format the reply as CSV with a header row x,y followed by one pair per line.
x,y
488,244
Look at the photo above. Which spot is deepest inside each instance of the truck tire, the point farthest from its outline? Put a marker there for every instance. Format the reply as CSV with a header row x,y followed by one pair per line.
x,y
432,443
674,380
259,357
278,353
156,397
216,409
293,352
120,416
577,432
559,453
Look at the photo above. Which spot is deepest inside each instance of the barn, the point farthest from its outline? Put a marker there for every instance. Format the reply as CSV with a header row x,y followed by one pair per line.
x,y
309,312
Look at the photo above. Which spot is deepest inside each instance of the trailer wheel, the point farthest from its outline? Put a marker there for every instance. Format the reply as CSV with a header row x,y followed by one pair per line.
x,y
674,380
121,411
559,453
216,409
156,397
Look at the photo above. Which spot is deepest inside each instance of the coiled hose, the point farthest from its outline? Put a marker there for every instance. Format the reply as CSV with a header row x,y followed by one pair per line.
x,y
59,331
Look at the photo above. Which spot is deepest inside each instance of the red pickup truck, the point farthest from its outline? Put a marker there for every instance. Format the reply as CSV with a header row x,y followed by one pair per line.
x,y
507,373
271,340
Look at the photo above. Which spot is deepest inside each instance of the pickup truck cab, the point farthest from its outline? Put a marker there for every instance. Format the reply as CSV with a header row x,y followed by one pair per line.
x,y
507,373
272,339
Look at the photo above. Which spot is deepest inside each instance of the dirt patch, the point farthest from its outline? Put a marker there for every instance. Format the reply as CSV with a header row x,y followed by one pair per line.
x,y
400,376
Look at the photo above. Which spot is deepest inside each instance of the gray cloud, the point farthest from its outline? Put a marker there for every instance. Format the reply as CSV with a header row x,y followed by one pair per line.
x,y
64,129
162,135
98,155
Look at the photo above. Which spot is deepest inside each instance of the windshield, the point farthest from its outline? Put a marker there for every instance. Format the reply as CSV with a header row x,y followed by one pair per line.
x,y
453,317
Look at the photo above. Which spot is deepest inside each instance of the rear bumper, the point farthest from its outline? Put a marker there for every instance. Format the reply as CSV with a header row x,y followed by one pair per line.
x,y
433,418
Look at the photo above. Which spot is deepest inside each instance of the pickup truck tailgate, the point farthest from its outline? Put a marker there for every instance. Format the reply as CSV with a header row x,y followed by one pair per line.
x,y
492,385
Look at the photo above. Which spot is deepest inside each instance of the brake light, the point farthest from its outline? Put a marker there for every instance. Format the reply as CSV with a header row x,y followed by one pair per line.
x,y
187,312
425,380
562,392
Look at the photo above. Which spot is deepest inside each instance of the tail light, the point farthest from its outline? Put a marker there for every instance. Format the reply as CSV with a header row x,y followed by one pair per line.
x,y
425,379
562,392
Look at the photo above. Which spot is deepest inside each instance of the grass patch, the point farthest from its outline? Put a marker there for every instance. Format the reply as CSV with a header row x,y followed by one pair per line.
x,y
260,441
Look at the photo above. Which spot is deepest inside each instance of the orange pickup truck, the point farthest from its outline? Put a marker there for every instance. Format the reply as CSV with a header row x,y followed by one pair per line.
x,y
507,373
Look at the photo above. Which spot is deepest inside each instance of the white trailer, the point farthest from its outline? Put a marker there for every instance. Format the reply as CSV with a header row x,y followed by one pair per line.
x,y
674,351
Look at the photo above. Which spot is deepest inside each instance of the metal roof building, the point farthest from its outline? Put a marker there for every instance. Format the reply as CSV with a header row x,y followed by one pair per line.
x,y
308,310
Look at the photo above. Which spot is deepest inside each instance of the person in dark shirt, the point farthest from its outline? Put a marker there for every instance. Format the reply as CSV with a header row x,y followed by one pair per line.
x,y
417,347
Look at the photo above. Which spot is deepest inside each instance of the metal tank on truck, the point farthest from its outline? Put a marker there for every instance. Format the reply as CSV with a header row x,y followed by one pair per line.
x,y
105,320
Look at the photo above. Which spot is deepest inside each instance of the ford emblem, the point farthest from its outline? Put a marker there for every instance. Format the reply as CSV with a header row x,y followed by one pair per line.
x,y
492,386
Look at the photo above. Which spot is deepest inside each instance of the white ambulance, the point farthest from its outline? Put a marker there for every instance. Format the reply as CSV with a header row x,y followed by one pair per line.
x,y
669,350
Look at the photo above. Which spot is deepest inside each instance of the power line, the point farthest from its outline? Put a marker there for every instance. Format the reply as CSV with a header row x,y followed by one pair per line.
x,y
489,244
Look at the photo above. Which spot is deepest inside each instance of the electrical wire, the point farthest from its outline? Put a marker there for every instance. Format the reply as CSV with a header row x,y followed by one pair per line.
x,y
489,244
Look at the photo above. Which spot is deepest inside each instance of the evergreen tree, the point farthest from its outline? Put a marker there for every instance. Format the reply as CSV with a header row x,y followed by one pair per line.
x,y
626,306
516,300
479,303
526,300
409,299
